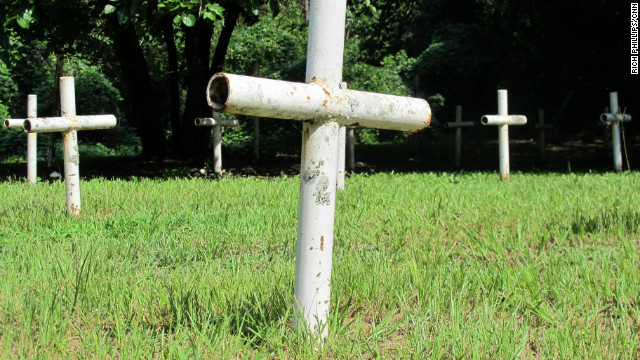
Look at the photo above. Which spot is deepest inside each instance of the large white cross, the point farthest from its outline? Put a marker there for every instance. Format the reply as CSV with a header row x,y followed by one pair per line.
x,y
32,140
323,104
615,117
69,123
503,120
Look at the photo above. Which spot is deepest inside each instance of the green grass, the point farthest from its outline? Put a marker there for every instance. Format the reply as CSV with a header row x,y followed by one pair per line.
x,y
425,266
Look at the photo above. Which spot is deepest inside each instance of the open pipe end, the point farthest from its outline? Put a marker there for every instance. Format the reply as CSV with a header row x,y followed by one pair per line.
x,y
197,121
218,92
27,126
6,123
484,120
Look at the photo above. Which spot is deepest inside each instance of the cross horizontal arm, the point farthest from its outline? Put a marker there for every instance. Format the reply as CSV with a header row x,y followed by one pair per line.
x,y
503,120
71,122
13,123
457,124
246,95
608,117
216,122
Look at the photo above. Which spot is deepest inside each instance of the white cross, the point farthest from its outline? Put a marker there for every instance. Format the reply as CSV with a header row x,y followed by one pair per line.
x,y
615,118
216,122
69,123
323,104
503,120
458,125
32,141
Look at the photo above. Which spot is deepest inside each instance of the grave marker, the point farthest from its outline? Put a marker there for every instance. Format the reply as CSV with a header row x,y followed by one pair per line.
x,y
69,123
615,118
32,140
541,128
216,122
458,125
503,120
323,104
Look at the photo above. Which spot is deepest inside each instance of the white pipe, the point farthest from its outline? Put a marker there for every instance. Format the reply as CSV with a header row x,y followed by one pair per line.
x,y
458,135
32,141
69,147
246,95
351,147
615,132
70,122
318,168
608,117
503,120
216,120
217,150
342,144
13,123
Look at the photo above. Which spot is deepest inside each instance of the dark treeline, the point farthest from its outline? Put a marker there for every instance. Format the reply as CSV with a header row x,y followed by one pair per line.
x,y
149,62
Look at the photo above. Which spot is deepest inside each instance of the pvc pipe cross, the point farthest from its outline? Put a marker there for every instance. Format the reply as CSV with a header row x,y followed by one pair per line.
x,y
615,118
69,123
458,125
503,120
216,122
541,128
32,140
323,104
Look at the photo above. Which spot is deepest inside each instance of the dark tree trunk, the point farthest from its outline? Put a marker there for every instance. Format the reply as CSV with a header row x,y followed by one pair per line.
x,y
174,81
140,91
194,139
230,20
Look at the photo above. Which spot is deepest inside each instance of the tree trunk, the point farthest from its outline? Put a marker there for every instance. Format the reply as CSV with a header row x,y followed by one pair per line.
x,y
197,50
138,83
174,81
230,20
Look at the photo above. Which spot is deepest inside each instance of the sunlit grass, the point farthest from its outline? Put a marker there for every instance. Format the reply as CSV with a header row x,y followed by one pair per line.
x,y
425,266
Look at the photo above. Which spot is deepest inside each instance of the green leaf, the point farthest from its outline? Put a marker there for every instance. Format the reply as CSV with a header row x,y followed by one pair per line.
x,y
23,23
177,19
189,20
108,9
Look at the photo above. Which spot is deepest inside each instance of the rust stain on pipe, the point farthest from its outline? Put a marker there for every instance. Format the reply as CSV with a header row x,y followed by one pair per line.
x,y
321,243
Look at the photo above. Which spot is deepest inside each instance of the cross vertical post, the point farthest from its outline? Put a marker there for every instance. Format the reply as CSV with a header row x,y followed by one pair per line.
x,y
458,125
216,122
69,123
323,104
615,118
503,120
541,128
351,158
32,143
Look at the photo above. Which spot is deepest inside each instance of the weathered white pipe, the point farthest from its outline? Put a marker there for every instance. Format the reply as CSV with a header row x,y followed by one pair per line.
x,y
342,144
615,132
32,141
246,95
69,145
503,120
318,169
351,147
70,122
13,123
607,117
216,121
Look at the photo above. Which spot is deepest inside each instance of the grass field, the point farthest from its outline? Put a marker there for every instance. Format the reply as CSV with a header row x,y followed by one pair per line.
x,y
425,266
